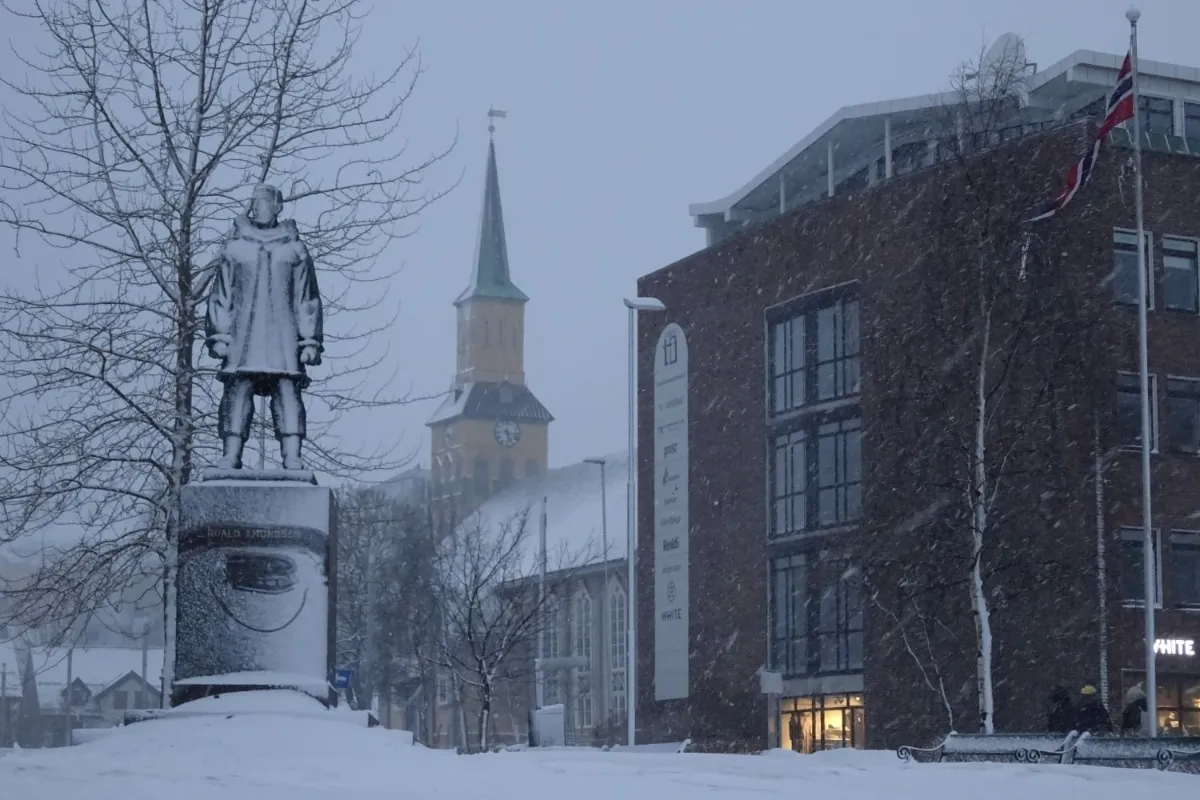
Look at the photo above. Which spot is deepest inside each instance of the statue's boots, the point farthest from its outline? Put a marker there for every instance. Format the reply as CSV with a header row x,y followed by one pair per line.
x,y
289,447
231,457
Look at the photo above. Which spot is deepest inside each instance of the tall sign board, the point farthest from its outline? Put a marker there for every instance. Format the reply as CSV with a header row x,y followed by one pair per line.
x,y
671,515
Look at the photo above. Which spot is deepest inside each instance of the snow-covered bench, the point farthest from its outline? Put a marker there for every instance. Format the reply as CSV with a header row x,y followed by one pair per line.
x,y
1015,747
1143,752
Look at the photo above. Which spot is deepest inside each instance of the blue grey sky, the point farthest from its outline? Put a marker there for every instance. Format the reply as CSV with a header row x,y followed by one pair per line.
x,y
622,113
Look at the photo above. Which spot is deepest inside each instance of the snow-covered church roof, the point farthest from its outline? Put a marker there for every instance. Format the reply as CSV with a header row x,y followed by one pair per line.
x,y
574,524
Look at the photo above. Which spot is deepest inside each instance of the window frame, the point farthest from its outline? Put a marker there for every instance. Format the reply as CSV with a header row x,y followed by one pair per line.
x,y
1167,397
1162,256
1176,534
1133,535
1143,120
1150,283
1155,425
817,574
803,312
1185,104
810,426
618,652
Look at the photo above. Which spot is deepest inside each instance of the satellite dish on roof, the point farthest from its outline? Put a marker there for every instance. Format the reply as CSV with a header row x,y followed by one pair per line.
x,y
1007,54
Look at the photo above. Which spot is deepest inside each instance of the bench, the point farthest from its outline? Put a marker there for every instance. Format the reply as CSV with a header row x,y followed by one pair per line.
x,y
1181,760
1004,747
1141,752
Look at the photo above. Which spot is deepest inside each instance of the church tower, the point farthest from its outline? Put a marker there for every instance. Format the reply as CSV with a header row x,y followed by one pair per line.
x,y
491,430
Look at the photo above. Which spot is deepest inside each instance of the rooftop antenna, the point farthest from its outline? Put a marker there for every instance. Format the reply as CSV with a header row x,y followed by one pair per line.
x,y
493,115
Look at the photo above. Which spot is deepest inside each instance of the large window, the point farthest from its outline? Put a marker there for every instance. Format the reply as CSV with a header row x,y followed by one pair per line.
x,y
1125,269
841,620
617,649
1179,274
1191,120
582,649
1182,427
816,616
827,722
839,471
1185,568
1133,580
1129,410
789,615
814,355
816,475
1178,702
1158,115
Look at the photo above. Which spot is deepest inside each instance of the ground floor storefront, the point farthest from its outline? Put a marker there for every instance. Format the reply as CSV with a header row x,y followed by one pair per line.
x,y
1178,700
822,722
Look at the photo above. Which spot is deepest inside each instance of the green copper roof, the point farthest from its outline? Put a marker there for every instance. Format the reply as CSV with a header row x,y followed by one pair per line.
x,y
490,278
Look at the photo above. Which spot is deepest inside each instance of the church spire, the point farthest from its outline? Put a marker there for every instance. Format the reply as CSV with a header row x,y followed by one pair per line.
x,y
490,276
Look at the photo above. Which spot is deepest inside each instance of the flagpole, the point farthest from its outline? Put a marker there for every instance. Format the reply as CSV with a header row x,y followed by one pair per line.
x,y
1150,556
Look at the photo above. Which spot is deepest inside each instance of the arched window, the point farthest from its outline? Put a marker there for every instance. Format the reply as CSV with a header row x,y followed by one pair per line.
x,y
581,643
618,622
532,468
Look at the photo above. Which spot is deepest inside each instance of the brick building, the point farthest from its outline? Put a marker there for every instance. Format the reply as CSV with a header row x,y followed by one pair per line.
x,y
835,327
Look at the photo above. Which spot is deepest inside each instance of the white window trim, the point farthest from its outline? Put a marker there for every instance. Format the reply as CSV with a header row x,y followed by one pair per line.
x,y
1150,271
1129,534
1188,609
1162,257
1166,395
1154,423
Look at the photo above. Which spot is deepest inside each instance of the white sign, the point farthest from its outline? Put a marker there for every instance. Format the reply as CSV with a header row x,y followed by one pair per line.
x,y
1175,647
671,645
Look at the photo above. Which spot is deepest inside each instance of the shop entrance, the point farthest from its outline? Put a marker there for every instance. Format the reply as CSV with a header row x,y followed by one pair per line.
x,y
825,722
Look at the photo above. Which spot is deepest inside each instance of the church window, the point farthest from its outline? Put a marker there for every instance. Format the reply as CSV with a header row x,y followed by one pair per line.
x,y
531,468
506,472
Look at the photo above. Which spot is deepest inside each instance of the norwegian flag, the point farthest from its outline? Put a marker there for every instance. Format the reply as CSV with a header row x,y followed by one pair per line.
x,y
1120,109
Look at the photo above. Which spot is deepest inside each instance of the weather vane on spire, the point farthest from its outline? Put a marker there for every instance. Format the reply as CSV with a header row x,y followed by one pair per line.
x,y
493,115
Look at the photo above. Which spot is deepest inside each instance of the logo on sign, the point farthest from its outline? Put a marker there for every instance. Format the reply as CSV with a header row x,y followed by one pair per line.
x,y
672,543
670,350
671,592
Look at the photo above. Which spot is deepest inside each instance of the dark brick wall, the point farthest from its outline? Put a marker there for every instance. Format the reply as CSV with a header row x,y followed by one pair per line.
x,y
1171,208
1045,604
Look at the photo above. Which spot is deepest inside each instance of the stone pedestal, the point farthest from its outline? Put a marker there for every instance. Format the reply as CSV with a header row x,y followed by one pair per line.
x,y
256,585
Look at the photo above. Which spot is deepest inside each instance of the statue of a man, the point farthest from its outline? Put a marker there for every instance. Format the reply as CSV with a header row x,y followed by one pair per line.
x,y
264,324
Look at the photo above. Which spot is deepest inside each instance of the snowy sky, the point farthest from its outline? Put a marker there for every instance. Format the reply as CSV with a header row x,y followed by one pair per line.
x,y
620,115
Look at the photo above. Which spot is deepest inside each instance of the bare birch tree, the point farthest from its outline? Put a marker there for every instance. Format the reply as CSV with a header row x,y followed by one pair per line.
x,y
129,150
491,607
992,354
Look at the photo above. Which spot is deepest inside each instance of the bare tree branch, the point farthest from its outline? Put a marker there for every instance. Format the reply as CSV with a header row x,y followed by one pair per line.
x,y
129,152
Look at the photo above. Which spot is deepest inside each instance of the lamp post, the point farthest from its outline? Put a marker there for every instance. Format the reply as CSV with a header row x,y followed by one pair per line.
x,y
634,305
605,607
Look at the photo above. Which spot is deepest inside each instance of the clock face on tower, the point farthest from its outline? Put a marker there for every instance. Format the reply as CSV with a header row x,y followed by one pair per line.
x,y
507,432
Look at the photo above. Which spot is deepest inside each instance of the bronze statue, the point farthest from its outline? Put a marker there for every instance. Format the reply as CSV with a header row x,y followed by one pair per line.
x,y
264,325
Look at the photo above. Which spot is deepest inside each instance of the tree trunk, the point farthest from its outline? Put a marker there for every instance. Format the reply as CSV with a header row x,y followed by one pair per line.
x,y
979,522
485,718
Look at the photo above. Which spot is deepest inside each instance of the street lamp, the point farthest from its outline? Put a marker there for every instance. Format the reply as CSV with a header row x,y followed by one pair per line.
x,y
605,609
634,305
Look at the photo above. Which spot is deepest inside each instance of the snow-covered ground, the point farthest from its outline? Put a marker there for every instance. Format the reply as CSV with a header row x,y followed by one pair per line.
x,y
283,749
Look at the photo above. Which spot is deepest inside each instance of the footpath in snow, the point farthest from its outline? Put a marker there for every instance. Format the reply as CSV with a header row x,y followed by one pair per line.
x,y
280,749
